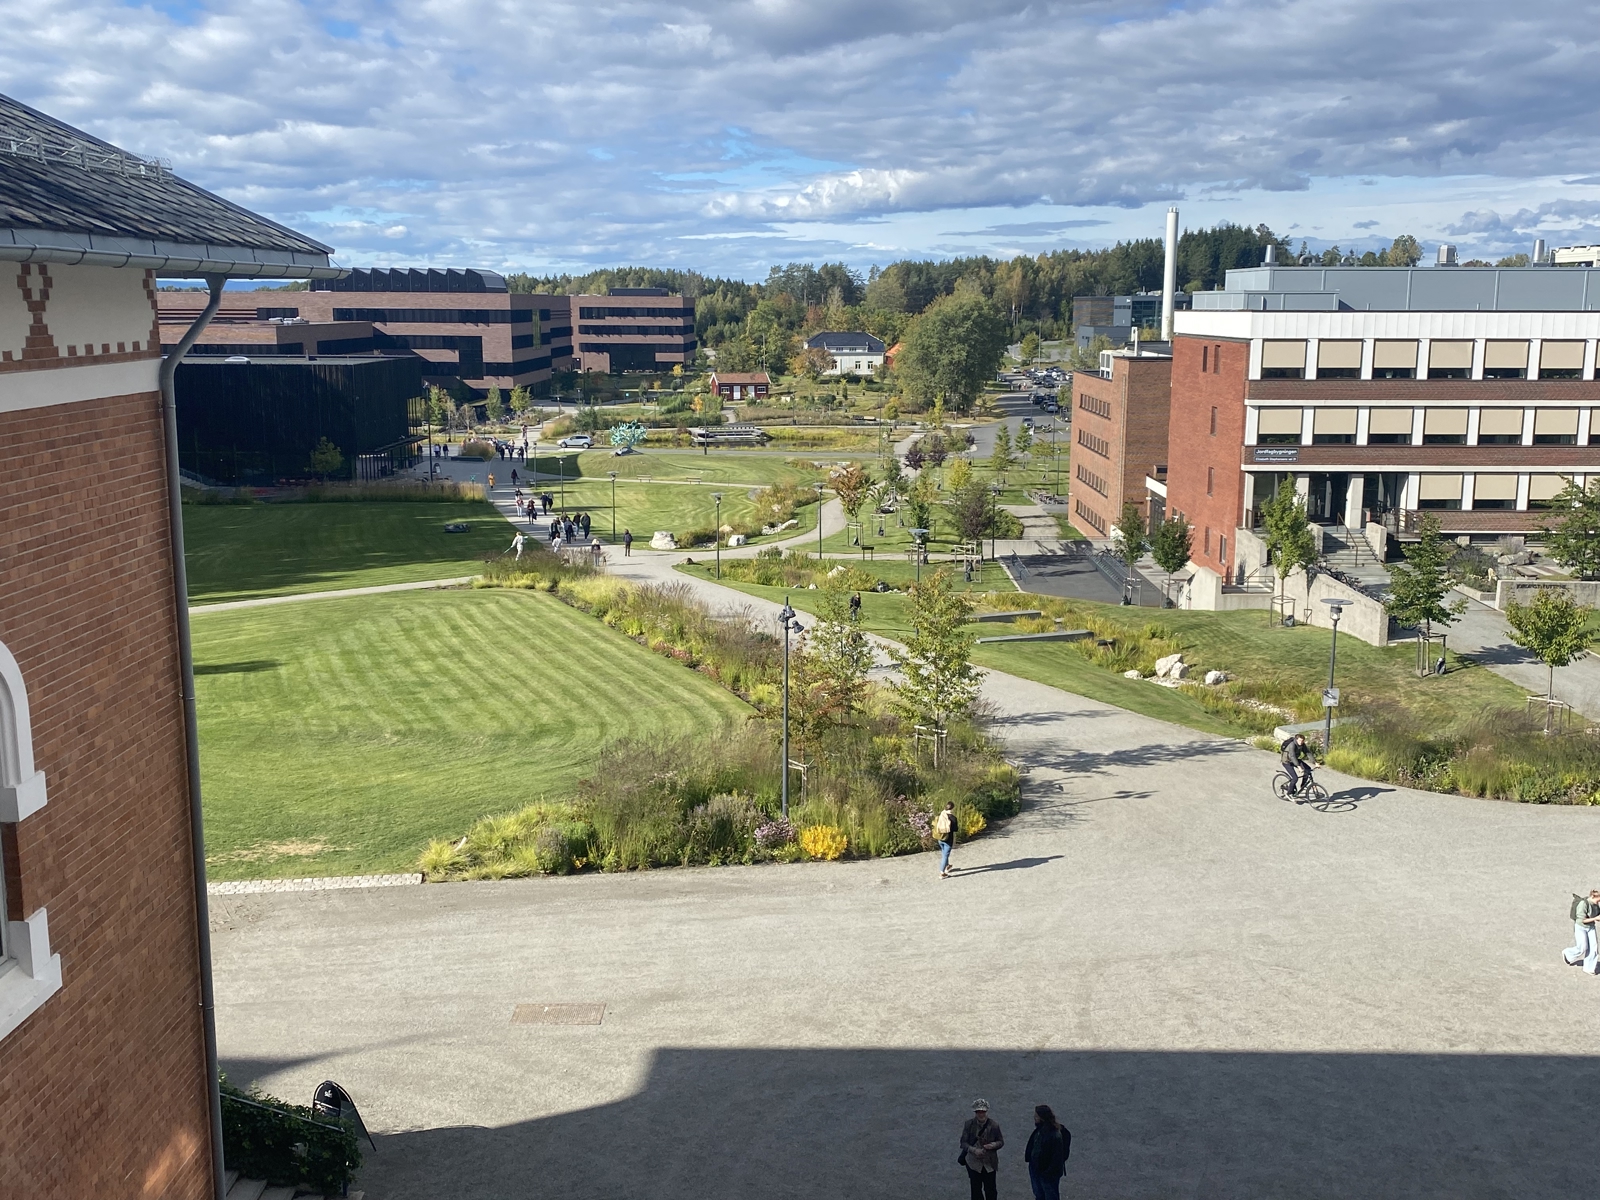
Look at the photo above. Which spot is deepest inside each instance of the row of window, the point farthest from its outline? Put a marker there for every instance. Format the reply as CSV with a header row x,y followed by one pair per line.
x,y
1095,405
1094,444
1089,477
638,330
1438,426
437,316
589,313
1488,491
1089,515
1341,358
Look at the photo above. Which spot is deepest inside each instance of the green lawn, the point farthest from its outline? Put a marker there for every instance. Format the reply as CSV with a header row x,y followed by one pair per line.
x,y
238,552
338,736
647,507
720,466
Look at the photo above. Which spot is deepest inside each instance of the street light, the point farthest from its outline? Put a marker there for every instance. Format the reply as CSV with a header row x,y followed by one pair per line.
x,y
790,625
613,475
819,522
1330,698
717,496
994,519
920,549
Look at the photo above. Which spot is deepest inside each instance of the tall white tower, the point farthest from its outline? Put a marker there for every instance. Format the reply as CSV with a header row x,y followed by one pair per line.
x,y
1169,277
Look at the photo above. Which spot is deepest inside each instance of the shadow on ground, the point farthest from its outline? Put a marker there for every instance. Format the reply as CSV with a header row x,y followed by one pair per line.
x,y
718,1123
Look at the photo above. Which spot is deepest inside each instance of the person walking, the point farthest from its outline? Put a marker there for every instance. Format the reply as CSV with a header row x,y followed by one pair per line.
x,y
944,830
513,477
855,607
1046,1155
1585,948
516,544
584,518
980,1151
627,543
491,481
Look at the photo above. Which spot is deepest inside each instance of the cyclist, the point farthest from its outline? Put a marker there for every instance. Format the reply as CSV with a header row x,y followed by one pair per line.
x,y
1296,755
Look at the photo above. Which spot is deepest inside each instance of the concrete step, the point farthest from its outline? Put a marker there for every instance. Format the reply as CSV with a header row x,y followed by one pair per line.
x,y
229,1178
279,1193
246,1189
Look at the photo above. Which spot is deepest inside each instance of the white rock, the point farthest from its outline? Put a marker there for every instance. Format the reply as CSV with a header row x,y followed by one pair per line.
x,y
1178,670
1164,666
1214,677
1132,675
737,539
662,539
839,570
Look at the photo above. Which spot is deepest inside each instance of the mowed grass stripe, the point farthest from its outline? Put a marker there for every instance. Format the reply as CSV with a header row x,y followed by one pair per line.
x,y
338,737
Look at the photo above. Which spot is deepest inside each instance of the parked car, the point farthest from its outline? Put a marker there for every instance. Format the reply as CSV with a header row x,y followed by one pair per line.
x,y
578,441
1052,408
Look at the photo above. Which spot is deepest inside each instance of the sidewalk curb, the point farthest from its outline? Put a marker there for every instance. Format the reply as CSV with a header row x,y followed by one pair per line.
x,y
331,883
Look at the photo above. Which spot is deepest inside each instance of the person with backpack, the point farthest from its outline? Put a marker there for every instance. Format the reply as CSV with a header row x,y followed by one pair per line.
x,y
627,543
1046,1155
944,829
1585,948
1296,755
981,1141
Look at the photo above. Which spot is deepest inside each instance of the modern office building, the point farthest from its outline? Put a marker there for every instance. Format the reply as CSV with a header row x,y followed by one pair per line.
x,y
1382,395
1119,424
106,1019
852,353
1116,317
464,324
634,329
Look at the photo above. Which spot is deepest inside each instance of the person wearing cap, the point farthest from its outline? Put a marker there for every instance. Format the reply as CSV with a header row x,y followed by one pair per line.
x,y
981,1140
1046,1155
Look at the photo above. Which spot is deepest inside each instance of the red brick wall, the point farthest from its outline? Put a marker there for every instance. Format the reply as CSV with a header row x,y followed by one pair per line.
x,y
1091,469
1146,419
1194,449
104,1087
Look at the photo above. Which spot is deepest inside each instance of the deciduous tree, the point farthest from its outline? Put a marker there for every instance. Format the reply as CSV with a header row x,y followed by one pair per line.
x,y
1129,540
1573,537
1000,460
851,484
1291,546
953,349
1554,628
937,678
1418,586
831,673
326,459
1171,542
494,406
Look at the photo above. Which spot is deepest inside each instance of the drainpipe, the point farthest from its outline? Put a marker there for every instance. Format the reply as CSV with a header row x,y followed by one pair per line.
x,y
180,597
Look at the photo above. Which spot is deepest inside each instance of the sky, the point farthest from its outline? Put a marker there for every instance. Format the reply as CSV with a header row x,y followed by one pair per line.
x,y
730,135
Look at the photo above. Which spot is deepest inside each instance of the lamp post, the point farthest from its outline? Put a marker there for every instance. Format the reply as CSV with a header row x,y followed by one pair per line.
x,y
994,517
536,458
613,475
786,618
1330,698
717,496
561,465
819,522
919,550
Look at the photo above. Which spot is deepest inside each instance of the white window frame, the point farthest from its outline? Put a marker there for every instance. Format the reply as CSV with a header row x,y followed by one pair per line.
x,y
29,973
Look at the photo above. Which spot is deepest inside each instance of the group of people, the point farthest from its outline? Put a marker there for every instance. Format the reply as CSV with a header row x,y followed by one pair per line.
x,y
530,506
1048,1148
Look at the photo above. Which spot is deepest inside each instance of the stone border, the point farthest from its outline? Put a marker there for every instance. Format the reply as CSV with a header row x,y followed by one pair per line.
x,y
333,883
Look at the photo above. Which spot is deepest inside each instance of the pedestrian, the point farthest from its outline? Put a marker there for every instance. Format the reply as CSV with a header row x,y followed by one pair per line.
x,y
980,1146
516,544
584,518
513,477
491,481
855,606
1046,1155
627,543
1585,948
944,829
519,506
595,552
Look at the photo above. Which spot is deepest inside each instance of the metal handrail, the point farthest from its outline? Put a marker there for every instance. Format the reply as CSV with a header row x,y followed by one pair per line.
x,y
284,1112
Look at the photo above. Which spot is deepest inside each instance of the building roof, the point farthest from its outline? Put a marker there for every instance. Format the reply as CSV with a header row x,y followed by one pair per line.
x,y
845,343
1405,289
741,377
414,279
67,197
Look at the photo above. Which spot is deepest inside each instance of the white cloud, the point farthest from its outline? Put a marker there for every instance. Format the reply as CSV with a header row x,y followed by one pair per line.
x,y
608,131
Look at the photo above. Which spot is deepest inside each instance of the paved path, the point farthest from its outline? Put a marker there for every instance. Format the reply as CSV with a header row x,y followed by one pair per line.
x,y
1483,634
264,601
1224,995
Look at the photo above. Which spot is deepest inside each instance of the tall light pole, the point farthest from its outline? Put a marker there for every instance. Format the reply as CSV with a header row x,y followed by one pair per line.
x,y
613,475
1330,698
994,518
786,618
919,549
717,496
819,522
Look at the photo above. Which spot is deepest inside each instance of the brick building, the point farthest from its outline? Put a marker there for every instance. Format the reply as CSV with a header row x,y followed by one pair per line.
x,y
1380,395
1119,423
465,325
105,1014
634,329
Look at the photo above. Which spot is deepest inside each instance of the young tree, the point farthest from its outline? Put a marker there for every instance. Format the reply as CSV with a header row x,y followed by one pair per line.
x,y
831,675
920,501
914,457
971,510
934,448
1573,538
494,406
1291,546
938,680
1030,347
959,475
326,458
851,484
953,349
521,400
1555,628
1129,540
1171,542
1024,441
1418,586
1000,460
441,407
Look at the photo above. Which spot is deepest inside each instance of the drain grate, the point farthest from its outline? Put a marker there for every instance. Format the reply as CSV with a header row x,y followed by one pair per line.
x,y
558,1014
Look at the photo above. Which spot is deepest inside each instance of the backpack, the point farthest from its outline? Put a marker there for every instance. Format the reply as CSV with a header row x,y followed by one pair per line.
x,y
944,825
1577,906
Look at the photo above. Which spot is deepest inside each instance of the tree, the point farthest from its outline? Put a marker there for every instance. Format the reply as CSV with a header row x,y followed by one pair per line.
x,y
1291,546
1555,628
920,500
1404,251
971,510
1573,539
937,678
441,407
326,458
1087,358
851,484
1030,347
1418,586
1171,543
831,674
1000,460
521,400
813,363
959,475
953,349
915,457
935,450
1024,442
1129,540
494,406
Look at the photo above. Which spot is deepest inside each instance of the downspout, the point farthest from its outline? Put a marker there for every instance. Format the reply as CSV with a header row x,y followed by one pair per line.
x,y
197,838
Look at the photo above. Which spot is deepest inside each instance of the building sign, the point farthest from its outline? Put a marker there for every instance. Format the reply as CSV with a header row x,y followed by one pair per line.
x,y
1277,454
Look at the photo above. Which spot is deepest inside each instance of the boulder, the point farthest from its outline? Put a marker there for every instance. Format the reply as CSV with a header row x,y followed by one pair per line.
x,y
1178,670
662,539
736,539
1215,677
1132,675
839,570
1164,666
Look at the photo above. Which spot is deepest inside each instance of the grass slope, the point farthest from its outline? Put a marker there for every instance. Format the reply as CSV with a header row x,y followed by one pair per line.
x,y
238,552
338,736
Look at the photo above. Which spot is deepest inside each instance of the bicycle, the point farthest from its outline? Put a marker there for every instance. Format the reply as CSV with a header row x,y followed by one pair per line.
x,y
1312,793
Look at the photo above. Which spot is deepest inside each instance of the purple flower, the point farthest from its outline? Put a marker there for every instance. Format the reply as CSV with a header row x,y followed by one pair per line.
x,y
774,833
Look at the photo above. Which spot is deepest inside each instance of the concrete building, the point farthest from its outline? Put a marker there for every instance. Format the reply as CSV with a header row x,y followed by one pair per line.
x,y
853,353
1119,423
634,329
1116,317
466,326
1381,395
106,1015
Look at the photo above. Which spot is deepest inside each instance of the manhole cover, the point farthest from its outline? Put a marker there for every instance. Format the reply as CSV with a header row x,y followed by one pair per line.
x,y
558,1014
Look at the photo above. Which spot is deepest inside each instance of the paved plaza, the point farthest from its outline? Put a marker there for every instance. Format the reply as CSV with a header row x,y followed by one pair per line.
x,y
1223,995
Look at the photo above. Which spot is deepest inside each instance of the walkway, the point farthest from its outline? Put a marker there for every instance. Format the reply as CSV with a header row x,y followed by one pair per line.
x,y
296,597
1482,633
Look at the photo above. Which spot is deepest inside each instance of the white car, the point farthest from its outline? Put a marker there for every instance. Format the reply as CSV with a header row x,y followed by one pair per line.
x,y
578,441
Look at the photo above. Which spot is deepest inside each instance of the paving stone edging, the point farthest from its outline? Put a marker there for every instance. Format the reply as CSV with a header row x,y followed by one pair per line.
x,y
239,887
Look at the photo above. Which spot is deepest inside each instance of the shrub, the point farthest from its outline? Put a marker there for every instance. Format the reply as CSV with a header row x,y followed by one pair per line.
x,y
473,448
773,833
443,491
826,842
286,1144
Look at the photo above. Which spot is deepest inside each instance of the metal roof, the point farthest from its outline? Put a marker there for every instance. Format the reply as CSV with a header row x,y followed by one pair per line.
x,y
859,343
67,197
1406,289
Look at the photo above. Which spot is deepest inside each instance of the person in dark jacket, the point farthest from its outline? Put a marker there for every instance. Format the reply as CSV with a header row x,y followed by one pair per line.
x,y
1046,1155
981,1141
1296,757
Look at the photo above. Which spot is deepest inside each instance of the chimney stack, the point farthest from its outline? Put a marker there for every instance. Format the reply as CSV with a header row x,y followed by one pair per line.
x,y
1270,259
1169,277
1538,251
